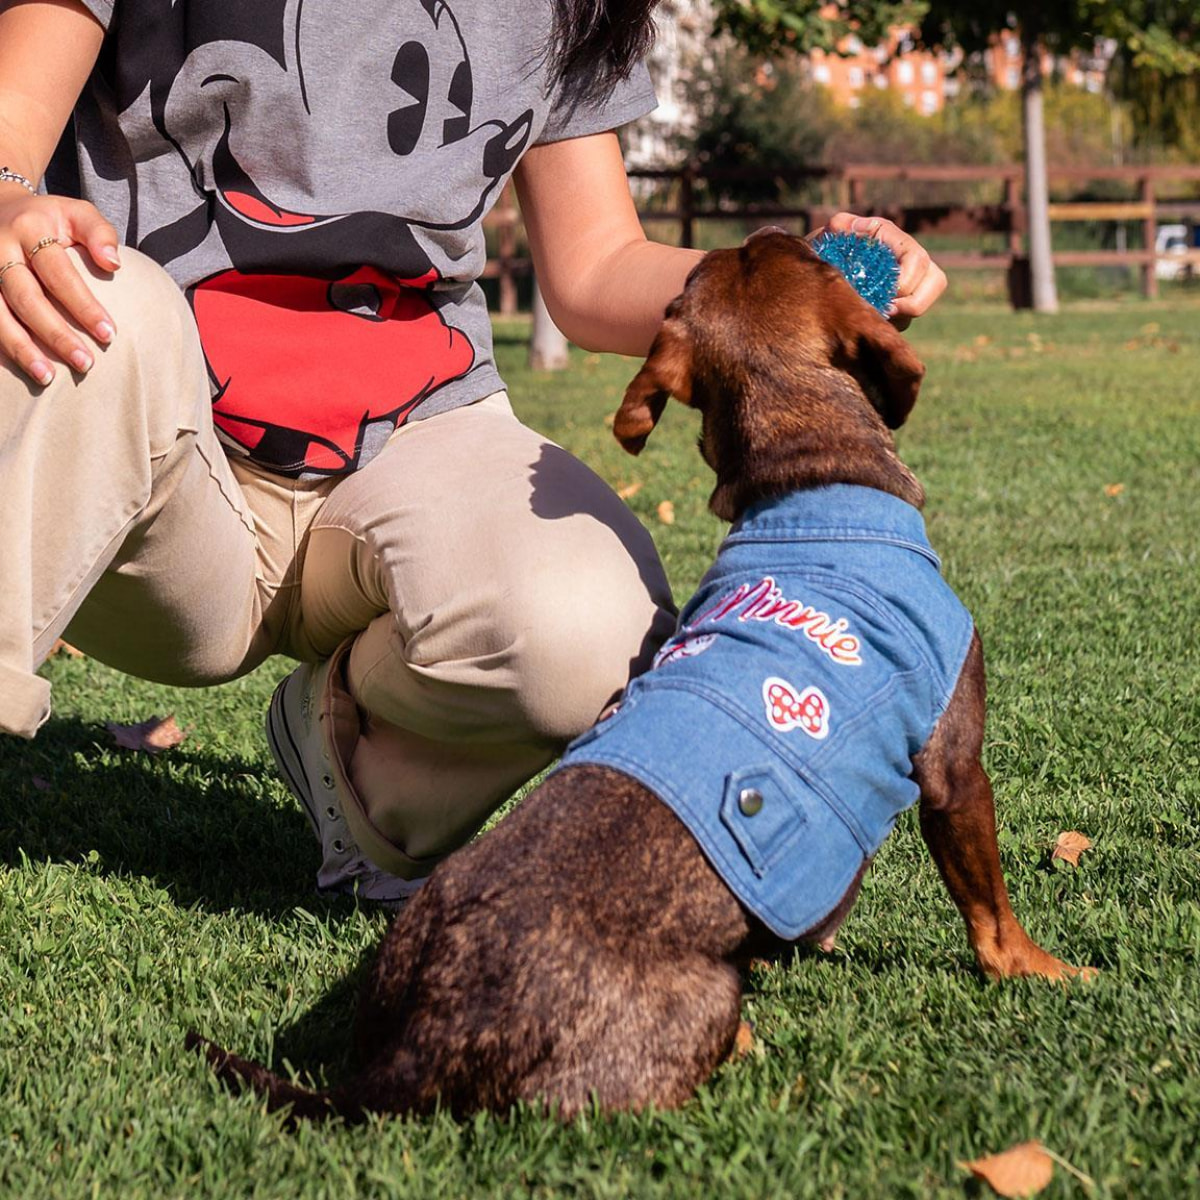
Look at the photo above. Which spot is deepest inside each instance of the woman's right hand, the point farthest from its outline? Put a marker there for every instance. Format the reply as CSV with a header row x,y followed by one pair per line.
x,y
45,302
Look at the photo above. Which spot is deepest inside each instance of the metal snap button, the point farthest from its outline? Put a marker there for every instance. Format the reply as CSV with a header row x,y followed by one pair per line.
x,y
338,846
750,801
327,782
331,813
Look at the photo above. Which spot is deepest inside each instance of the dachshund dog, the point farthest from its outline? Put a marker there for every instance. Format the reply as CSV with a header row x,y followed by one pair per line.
x,y
589,949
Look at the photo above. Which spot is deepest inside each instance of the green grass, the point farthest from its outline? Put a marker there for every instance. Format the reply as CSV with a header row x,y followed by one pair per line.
x,y
141,896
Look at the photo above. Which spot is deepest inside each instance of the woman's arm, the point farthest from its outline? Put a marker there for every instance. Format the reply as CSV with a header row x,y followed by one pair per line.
x,y
47,50
606,285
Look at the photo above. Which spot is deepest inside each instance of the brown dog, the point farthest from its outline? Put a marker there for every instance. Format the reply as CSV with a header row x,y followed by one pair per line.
x,y
586,949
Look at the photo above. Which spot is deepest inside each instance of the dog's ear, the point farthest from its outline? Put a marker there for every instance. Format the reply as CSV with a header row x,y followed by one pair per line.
x,y
882,360
666,372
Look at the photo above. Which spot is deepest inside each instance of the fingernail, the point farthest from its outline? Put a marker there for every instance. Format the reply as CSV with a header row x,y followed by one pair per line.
x,y
81,360
105,332
41,372
111,255
868,225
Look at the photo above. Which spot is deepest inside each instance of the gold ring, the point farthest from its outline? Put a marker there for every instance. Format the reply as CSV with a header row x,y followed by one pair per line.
x,y
8,266
40,245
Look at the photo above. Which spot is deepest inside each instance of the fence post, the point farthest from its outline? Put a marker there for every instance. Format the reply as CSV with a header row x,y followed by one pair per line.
x,y
687,205
858,193
1019,278
1149,236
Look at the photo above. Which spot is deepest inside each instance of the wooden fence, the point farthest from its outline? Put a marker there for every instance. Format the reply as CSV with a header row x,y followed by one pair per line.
x,y
1135,199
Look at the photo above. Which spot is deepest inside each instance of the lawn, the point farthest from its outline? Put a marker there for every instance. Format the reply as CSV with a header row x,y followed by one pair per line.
x,y
141,896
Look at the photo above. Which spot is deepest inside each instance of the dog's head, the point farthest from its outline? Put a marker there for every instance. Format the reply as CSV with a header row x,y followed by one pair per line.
x,y
797,378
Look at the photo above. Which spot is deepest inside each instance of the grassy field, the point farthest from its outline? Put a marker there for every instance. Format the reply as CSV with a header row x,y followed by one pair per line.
x,y
141,896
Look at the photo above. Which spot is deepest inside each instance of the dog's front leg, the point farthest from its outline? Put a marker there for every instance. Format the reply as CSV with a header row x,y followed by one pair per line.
x,y
958,823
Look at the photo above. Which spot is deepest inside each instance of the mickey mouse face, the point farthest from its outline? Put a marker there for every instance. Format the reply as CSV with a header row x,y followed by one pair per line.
x,y
292,132
412,74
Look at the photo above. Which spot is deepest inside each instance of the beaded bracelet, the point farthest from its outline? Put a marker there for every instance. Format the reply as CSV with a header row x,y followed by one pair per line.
x,y
7,176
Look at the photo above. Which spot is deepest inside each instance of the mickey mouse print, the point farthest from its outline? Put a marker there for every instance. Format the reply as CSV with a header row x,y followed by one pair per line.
x,y
315,176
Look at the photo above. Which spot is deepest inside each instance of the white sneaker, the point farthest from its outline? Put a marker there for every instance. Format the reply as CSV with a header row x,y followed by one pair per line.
x,y
298,734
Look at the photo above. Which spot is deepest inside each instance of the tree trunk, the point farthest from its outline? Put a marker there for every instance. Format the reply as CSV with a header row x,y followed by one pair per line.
x,y
1037,190
547,345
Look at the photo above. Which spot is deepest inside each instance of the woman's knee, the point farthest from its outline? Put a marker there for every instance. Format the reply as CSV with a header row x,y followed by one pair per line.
x,y
534,661
139,295
154,364
574,648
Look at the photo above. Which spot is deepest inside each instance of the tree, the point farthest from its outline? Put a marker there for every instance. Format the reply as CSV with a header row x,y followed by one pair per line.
x,y
1157,35
1161,34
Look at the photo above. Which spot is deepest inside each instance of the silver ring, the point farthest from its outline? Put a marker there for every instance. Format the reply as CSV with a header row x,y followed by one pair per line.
x,y
40,245
8,266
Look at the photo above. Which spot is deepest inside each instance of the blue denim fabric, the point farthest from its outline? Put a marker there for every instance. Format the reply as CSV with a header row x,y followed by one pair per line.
x,y
780,722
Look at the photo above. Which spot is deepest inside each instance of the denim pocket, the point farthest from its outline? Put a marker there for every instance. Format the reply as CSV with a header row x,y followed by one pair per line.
x,y
764,812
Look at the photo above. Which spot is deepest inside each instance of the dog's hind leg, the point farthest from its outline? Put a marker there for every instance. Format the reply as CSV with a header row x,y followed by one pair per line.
x,y
958,823
649,1036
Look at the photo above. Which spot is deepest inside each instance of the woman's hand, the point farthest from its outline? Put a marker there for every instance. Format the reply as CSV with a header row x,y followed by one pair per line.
x,y
921,280
44,300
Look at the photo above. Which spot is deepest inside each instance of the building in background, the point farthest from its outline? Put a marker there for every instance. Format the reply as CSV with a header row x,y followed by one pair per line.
x,y
917,76
925,80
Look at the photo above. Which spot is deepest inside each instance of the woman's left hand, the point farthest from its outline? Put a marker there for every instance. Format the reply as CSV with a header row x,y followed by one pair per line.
x,y
921,280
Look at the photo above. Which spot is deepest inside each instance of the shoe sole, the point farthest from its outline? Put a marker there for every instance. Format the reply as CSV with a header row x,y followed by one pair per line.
x,y
286,754
289,764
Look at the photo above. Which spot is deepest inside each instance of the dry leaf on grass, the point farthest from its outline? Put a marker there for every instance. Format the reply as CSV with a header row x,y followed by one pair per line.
x,y
629,490
158,733
1070,846
1113,489
1023,1170
61,647
666,512
743,1042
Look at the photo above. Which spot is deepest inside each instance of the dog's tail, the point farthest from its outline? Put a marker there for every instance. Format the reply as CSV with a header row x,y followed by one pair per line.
x,y
301,1103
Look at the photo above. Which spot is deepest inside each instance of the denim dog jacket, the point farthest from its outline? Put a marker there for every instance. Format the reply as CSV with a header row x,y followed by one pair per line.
x,y
780,721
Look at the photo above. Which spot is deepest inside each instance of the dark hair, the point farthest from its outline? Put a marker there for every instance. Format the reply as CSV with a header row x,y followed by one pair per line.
x,y
596,43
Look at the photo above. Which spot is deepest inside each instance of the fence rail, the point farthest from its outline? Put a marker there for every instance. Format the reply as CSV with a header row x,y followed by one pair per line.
x,y
873,190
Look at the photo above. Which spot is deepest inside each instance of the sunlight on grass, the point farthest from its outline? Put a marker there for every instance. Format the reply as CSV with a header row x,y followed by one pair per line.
x,y
142,896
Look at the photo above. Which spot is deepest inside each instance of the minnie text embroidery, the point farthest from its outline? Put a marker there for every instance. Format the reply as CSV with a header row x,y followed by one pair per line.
x,y
763,601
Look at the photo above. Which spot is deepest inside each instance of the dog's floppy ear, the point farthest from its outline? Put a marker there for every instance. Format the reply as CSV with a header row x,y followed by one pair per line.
x,y
882,360
666,372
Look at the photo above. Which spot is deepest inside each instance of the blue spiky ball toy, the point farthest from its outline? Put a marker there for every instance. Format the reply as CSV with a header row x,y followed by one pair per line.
x,y
869,266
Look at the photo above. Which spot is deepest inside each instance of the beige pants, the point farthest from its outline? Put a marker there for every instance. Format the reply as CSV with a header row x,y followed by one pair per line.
x,y
498,593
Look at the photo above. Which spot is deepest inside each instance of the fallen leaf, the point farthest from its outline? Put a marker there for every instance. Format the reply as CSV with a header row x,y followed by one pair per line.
x,y
61,647
1023,1170
1070,846
1113,489
666,512
629,490
42,785
153,735
743,1041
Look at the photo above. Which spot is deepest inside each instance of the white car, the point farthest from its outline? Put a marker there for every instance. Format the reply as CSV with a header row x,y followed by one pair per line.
x,y
1170,245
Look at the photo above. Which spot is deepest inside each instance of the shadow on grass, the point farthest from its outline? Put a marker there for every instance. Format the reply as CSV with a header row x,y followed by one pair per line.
x,y
319,1046
208,828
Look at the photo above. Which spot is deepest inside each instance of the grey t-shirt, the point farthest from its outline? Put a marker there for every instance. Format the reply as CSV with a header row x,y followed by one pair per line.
x,y
314,175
